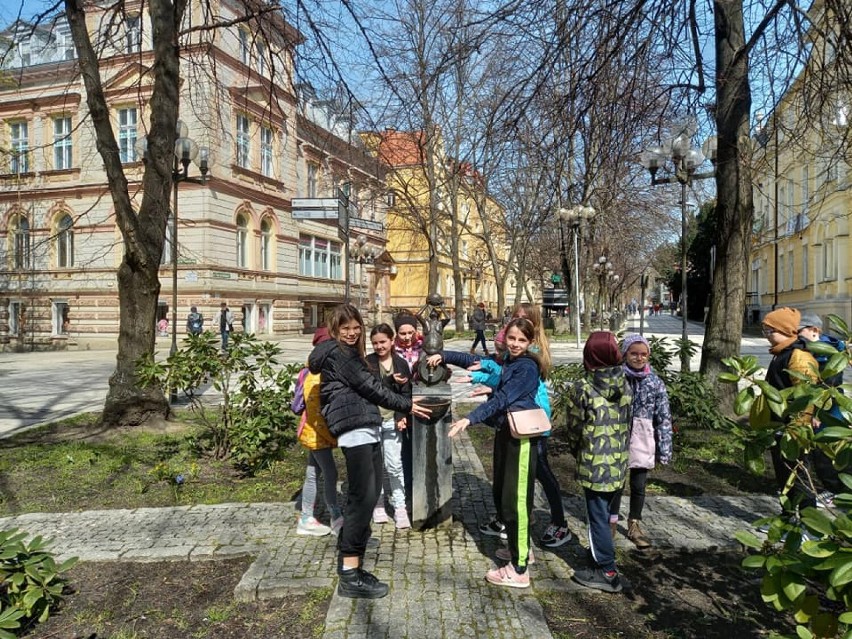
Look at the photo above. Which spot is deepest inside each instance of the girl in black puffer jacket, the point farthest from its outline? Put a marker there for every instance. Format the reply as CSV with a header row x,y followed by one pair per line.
x,y
349,396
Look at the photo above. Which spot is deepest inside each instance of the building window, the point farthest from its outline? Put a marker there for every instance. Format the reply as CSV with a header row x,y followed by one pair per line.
x,y
791,271
313,169
244,46
16,318
242,241
260,50
133,35
65,242
781,279
25,52
62,149
127,120
806,190
21,243
243,141
20,144
266,151
61,318
828,265
805,268
319,257
265,245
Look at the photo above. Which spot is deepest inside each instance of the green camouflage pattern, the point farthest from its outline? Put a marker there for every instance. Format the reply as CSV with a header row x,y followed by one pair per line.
x,y
598,429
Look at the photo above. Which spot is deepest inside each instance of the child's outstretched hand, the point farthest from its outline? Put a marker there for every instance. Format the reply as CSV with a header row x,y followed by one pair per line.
x,y
481,390
459,426
420,411
460,379
434,360
399,378
476,366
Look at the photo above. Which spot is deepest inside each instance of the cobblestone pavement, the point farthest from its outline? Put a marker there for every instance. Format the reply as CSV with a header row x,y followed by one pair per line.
x,y
436,577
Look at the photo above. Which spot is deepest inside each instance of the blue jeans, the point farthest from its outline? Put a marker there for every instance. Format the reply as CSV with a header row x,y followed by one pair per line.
x,y
224,340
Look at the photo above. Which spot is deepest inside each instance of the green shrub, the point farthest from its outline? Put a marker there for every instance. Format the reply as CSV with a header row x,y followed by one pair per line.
x,y
31,584
254,421
693,400
809,578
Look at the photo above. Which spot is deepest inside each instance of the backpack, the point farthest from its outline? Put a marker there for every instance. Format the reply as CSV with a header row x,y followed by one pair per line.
x,y
298,403
195,323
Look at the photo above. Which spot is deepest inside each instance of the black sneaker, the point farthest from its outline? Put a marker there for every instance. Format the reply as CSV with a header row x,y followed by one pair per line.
x,y
359,584
555,536
596,578
495,527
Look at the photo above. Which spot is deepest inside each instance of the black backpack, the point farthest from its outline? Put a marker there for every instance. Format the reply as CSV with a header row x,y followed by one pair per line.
x,y
196,323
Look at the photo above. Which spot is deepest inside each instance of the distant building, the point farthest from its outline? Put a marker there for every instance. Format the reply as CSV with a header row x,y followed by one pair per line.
x,y
271,143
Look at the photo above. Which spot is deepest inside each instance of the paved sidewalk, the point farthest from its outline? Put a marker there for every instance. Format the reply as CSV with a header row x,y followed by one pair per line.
x,y
436,577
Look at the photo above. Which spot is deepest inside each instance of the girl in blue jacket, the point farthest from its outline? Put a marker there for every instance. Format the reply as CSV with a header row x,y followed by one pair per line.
x,y
514,459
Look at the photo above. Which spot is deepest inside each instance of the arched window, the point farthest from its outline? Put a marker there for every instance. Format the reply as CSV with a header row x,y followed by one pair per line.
x,y
65,242
21,243
266,245
242,241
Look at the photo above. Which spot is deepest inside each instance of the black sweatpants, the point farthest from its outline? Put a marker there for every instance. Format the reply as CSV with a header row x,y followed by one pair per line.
x,y
364,478
514,469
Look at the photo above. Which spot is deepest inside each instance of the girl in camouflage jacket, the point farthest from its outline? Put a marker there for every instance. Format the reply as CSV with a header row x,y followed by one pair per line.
x,y
599,415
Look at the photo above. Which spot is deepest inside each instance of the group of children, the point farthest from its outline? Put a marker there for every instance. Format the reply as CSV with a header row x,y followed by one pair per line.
x,y
618,423
789,332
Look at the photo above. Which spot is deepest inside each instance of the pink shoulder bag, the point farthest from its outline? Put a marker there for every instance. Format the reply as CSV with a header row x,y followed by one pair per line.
x,y
528,423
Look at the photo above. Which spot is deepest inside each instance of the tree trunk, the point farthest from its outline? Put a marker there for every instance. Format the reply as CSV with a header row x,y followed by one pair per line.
x,y
735,208
126,403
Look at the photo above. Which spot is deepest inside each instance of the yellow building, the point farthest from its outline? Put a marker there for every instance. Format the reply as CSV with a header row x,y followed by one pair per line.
x,y
800,244
413,224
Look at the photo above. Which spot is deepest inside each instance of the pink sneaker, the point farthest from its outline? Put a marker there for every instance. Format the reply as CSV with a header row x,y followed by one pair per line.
x,y
506,576
505,555
400,517
380,516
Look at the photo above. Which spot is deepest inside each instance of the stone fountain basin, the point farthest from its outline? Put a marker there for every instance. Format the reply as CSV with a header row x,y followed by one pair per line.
x,y
438,405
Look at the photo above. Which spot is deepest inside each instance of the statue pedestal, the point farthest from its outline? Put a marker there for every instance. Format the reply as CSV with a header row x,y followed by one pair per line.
x,y
432,460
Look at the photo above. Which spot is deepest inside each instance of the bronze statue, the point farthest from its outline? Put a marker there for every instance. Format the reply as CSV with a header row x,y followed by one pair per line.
x,y
433,319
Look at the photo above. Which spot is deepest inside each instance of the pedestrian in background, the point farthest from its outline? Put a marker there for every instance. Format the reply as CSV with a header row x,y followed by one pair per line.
x,y
650,433
224,322
478,321
194,322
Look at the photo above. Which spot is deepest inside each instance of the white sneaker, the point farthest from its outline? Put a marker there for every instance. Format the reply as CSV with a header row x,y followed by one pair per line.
x,y
336,525
310,526
380,515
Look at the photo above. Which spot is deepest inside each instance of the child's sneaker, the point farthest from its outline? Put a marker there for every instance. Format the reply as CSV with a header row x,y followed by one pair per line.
x,y
507,576
825,499
505,555
380,516
555,536
310,526
495,527
400,517
597,578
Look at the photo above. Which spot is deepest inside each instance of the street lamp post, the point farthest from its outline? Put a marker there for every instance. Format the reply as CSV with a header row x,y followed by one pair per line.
x,y
603,268
574,217
686,161
186,152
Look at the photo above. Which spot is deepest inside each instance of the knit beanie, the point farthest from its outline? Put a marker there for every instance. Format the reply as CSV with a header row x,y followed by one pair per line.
x,y
630,340
404,318
810,320
783,320
786,322
601,351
